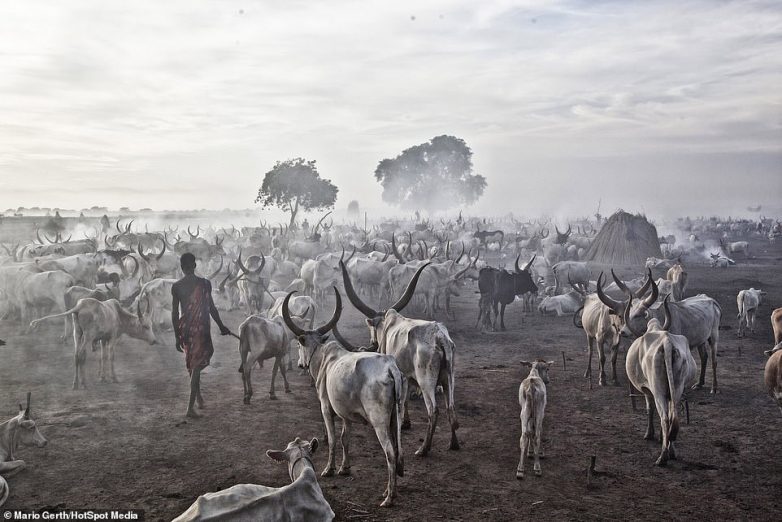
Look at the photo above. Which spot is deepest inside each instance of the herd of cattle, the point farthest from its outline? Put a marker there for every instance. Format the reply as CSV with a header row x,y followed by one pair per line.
x,y
117,281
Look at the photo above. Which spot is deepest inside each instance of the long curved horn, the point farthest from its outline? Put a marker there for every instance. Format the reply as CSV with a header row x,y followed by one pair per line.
x,y
127,228
354,299
620,284
547,233
614,305
68,240
529,263
388,253
649,301
239,263
395,251
410,290
477,255
286,316
516,264
117,225
667,310
49,239
141,252
344,342
162,251
558,232
645,288
326,328
352,253
462,254
448,250
221,286
27,410
217,272
263,263
135,269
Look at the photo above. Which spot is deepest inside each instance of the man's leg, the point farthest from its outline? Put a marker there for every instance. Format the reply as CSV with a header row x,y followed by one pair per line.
x,y
195,391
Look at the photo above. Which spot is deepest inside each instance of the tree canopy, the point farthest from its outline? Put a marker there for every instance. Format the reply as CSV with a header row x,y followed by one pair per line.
x,y
295,184
435,175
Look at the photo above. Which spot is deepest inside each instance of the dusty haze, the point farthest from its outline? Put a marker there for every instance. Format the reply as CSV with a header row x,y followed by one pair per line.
x,y
186,104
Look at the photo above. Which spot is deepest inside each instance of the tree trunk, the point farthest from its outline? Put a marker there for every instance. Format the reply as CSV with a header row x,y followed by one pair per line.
x,y
294,212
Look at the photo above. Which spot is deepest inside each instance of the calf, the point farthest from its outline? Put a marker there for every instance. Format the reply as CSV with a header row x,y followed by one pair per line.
x,y
677,275
748,302
301,500
20,428
532,399
773,377
660,365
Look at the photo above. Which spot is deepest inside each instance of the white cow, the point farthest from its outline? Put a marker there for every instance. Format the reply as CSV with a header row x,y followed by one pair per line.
x,y
20,428
748,302
532,399
660,365
300,501
364,387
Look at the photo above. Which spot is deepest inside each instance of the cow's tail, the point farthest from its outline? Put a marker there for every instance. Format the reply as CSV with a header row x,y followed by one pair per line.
x,y
578,323
672,406
35,322
447,346
399,383
244,347
4,491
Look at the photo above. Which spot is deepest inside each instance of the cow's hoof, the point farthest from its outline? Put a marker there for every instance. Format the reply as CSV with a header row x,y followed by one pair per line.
x,y
288,390
649,436
345,472
246,400
538,473
421,452
714,391
328,472
519,474
272,397
454,445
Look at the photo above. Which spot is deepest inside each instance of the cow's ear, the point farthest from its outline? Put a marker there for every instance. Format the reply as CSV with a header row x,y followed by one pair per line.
x,y
279,456
549,363
313,445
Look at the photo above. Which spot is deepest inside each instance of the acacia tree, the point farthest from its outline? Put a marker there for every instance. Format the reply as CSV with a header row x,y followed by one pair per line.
x,y
294,185
435,175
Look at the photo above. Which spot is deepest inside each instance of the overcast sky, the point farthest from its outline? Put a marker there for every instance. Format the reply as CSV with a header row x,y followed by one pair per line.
x,y
671,106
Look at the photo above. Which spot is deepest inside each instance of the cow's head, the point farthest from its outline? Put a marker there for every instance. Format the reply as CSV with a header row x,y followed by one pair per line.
x,y
298,452
311,340
144,315
628,318
522,277
540,367
28,433
374,317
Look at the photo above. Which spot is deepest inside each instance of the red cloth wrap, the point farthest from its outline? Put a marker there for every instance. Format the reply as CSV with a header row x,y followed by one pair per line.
x,y
194,329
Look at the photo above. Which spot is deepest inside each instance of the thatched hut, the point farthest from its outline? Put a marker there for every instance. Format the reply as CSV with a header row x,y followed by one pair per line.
x,y
625,239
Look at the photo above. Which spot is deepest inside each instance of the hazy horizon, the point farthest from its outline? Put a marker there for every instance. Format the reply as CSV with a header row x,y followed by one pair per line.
x,y
666,107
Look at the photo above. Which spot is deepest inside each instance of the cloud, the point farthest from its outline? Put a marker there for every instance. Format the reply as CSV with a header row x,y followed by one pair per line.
x,y
200,92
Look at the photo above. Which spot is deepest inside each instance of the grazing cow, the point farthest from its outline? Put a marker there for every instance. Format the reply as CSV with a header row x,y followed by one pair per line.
x,y
772,377
489,236
748,301
660,365
423,349
20,428
602,322
697,318
532,399
360,387
677,275
103,321
300,501
501,287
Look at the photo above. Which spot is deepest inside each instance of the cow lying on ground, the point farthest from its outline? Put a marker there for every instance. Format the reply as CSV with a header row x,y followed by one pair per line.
x,y
20,428
660,365
532,399
301,500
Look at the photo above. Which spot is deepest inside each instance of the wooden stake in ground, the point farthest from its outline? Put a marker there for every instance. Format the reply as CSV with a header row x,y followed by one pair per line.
x,y
591,469
564,364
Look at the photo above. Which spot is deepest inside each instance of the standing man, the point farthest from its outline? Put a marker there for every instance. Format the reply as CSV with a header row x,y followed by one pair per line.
x,y
194,294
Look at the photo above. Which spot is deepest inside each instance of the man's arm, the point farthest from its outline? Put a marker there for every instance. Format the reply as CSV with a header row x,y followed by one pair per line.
x,y
175,318
216,315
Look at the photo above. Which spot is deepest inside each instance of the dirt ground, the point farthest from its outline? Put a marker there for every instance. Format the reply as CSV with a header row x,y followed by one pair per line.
x,y
127,445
